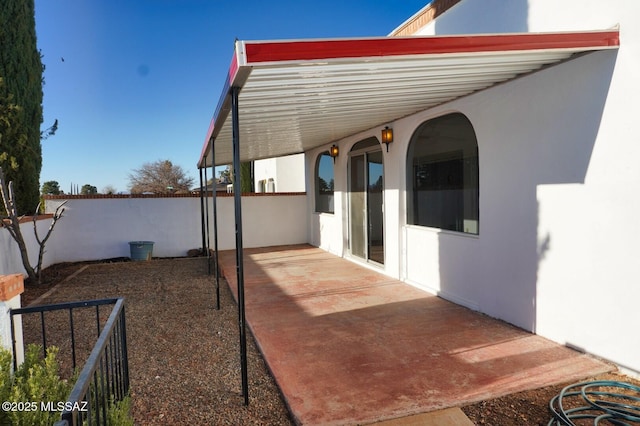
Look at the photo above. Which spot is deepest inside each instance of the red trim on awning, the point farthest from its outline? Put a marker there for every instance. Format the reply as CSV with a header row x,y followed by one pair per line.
x,y
257,52
233,68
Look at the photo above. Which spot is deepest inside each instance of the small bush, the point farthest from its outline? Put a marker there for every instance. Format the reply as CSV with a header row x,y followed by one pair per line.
x,y
37,380
5,381
119,413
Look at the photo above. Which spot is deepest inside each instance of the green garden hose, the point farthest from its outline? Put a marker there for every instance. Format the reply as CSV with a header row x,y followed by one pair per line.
x,y
616,406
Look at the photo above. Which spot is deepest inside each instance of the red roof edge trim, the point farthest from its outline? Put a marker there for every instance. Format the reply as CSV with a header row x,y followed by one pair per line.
x,y
231,75
205,147
258,52
233,69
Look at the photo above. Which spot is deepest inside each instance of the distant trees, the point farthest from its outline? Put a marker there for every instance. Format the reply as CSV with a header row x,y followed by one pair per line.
x,y
21,102
246,176
51,187
109,189
323,186
159,177
88,189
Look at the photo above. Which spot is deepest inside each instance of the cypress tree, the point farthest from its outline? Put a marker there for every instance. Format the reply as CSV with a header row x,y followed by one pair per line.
x,y
21,95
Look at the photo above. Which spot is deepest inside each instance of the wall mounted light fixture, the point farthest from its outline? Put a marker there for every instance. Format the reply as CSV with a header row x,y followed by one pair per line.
x,y
333,152
387,136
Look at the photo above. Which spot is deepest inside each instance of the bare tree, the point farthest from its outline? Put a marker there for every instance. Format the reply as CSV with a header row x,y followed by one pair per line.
x,y
159,177
109,189
12,222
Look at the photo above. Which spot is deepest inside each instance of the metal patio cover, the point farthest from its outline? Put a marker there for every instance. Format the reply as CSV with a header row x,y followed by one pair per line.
x,y
296,95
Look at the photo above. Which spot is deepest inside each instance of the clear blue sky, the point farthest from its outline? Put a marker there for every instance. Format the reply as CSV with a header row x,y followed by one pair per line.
x,y
135,81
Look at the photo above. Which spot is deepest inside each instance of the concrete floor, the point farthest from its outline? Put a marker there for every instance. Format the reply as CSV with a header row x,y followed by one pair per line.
x,y
348,345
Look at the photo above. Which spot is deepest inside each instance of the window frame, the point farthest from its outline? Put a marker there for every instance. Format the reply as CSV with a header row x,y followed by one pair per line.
x,y
443,176
330,199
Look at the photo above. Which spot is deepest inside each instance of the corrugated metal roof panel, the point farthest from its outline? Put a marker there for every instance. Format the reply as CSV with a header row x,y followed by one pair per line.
x,y
297,95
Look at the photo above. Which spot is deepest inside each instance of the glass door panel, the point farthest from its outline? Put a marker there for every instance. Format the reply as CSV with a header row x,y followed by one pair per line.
x,y
357,207
366,203
375,201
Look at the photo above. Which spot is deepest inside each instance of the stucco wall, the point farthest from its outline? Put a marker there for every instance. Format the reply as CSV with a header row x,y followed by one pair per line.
x,y
10,260
539,131
266,220
558,176
574,150
588,289
101,228
287,172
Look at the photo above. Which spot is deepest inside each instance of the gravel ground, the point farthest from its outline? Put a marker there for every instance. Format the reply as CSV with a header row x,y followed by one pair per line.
x,y
184,360
183,353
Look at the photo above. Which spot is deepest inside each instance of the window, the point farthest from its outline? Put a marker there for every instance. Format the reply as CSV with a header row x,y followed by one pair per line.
x,y
442,175
324,183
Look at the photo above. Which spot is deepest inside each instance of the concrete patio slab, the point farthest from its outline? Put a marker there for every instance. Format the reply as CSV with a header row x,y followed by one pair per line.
x,y
447,417
349,345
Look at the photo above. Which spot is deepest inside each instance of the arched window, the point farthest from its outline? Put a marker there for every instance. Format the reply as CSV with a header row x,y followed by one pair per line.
x,y
324,183
442,175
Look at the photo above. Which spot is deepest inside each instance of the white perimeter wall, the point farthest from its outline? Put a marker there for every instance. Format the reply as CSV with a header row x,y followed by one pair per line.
x,y
559,183
10,260
101,228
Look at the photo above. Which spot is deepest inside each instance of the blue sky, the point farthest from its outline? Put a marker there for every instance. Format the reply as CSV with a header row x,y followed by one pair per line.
x,y
135,81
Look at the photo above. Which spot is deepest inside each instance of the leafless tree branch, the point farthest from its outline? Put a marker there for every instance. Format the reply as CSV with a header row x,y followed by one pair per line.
x,y
11,221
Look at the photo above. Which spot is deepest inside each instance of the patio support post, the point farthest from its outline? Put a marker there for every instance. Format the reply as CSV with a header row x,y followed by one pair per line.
x,y
214,194
202,211
206,209
239,249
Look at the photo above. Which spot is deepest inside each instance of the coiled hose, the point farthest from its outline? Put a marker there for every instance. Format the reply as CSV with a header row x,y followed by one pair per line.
x,y
609,402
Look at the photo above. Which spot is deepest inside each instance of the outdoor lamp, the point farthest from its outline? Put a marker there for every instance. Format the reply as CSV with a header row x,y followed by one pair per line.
x,y
333,152
387,136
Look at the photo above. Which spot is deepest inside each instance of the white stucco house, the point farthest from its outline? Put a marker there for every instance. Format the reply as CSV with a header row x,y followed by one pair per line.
x,y
511,182
279,174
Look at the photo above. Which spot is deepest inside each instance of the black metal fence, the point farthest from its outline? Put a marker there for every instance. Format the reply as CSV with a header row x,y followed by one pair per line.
x,y
104,379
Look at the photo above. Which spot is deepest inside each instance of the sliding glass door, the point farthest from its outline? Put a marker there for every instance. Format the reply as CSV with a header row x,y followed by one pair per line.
x,y
366,201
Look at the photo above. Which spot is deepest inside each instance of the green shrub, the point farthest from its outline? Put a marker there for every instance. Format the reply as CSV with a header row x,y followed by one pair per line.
x,y
38,380
5,381
119,413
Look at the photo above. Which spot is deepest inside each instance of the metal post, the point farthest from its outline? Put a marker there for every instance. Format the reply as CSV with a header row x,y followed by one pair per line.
x,y
206,247
215,224
202,210
239,249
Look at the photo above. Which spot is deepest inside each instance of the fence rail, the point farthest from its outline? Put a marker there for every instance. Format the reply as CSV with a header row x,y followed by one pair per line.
x,y
104,379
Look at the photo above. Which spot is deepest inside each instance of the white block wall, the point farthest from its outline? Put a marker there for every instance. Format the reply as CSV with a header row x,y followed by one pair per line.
x,y
10,260
101,228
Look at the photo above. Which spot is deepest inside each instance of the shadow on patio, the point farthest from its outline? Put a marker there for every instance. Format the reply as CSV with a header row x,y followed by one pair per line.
x,y
345,344
349,345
